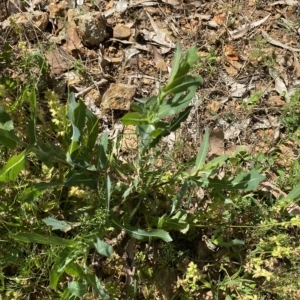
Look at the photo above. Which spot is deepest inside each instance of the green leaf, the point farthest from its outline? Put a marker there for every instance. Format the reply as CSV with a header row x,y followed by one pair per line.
x,y
9,139
77,289
35,190
96,284
180,194
92,124
175,104
103,248
13,167
140,234
5,122
244,181
182,84
177,222
200,160
294,193
102,149
248,181
74,269
42,239
145,134
134,118
76,116
175,124
60,225
107,191
64,258
216,162
32,122
75,178
176,62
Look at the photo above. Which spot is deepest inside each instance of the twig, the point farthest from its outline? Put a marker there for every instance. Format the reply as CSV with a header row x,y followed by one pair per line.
x,y
96,84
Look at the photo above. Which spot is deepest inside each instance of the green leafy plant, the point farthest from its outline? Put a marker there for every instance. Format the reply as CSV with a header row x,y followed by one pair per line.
x,y
79,202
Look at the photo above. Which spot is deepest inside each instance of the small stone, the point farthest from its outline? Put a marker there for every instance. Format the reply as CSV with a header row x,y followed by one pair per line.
x,y
118,96
91,28
121,31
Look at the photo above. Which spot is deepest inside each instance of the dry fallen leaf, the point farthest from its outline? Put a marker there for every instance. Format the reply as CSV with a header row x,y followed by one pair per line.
x,y
242,30
72,39
219,19
216,143
296,66
159,60
230,53
277,43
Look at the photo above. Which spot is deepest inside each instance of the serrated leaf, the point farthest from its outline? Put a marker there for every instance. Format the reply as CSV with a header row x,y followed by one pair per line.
x,y
42,239
140,234
13,167
201,156
59,224
103,248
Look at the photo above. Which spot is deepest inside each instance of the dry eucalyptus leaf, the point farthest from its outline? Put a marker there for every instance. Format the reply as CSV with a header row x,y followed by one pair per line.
x,y
277,43
160,36
287,2
242,31
280,86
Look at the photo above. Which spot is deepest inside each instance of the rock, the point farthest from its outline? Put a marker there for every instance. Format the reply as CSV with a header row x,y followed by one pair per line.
x,y
59,61
91,28
28,20
118,96
57,9
121,31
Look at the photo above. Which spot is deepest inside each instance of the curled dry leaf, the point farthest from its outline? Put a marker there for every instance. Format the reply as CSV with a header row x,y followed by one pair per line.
x,y
242,31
